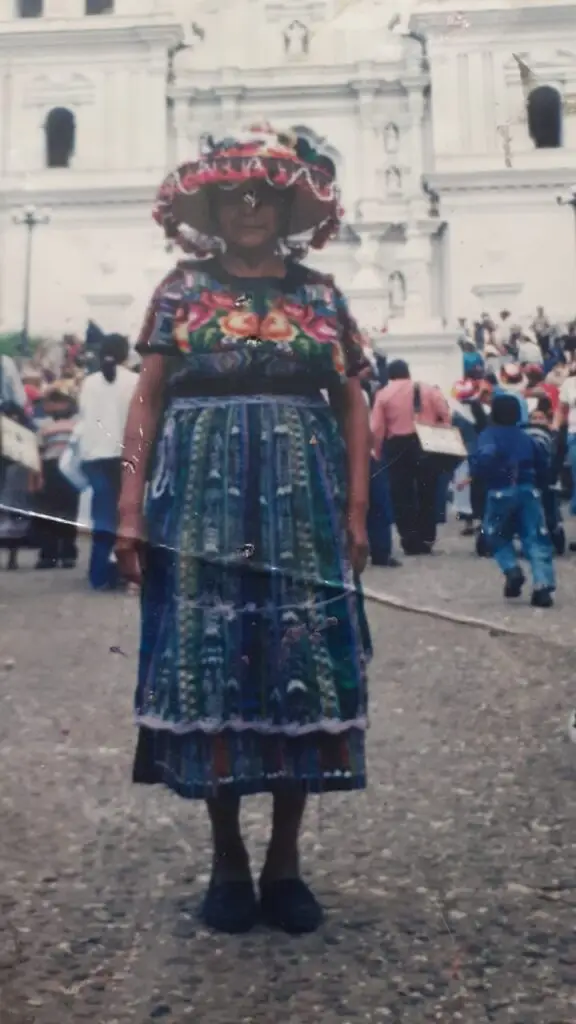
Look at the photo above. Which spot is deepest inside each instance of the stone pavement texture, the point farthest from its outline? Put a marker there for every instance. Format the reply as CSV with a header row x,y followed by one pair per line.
x,y
456,581
449,884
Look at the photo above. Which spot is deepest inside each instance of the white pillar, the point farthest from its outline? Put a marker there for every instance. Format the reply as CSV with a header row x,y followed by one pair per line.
x,y
416,107
365,92
416,267
230,96
367,295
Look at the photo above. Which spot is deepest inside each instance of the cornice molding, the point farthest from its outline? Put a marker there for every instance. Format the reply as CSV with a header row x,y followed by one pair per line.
x,y
23,39
432,19
93,195
312,81
506,180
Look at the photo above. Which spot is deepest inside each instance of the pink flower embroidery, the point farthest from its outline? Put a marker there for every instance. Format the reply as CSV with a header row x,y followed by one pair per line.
x,y
322,329
198,315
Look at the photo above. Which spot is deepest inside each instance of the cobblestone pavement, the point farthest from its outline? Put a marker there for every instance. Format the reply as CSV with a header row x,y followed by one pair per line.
x,y
455,580
450,883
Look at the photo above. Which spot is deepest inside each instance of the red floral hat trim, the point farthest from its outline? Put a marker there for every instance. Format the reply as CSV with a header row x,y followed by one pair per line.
x,y
282,160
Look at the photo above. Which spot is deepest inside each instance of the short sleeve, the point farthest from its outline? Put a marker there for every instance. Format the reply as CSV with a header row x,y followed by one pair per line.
x,y
157,333
353,344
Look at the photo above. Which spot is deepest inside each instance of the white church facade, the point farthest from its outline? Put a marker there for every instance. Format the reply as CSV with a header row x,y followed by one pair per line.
x,y
451,201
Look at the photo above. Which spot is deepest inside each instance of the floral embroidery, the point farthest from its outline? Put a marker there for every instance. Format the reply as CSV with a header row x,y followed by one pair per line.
x,y
239,324
277,327
309,323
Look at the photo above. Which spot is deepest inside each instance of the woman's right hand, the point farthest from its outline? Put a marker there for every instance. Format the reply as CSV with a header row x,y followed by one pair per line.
x,y
130,547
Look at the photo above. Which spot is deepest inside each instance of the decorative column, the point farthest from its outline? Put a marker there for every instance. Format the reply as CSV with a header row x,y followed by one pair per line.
x,y
367,294
416,267
180,127
416,108
229,93
365,90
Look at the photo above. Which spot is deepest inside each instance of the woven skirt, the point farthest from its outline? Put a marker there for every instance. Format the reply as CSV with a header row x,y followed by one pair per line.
x,y
254,643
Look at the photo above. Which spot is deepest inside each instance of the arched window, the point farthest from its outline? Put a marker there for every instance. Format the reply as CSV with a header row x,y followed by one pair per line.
x,y
544,110
30,8
99,6
60,128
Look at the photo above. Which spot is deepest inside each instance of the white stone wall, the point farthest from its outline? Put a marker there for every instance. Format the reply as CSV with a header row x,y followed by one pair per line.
x,y
515,254
507,241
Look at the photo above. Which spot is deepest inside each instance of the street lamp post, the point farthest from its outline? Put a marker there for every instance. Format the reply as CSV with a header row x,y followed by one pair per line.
x,y
30,218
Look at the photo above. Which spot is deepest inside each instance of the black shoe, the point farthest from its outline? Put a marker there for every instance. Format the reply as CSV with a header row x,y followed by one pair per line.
x,y
515,580
468,530
46,563
542,598
387,563
423,548
230,907
288,904
68,563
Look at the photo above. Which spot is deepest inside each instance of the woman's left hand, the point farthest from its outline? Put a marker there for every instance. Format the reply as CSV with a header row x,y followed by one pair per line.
x,y
358,540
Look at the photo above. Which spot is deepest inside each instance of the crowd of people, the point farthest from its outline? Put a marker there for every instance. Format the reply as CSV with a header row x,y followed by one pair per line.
x,y
84,405
78,414
515,409
237,463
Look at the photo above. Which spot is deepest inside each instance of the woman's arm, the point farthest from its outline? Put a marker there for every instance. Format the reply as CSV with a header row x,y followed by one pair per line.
x,y
378,423
561,415
441,407
356,431
141,426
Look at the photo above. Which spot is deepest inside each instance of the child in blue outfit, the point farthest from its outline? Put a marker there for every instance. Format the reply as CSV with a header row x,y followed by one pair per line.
x,y
514,469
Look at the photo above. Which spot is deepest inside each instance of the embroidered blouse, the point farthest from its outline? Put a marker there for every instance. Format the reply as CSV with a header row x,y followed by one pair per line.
x,y
233,335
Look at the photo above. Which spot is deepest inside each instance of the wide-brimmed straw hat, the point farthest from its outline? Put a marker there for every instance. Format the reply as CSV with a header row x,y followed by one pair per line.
x,y
512,378
282,159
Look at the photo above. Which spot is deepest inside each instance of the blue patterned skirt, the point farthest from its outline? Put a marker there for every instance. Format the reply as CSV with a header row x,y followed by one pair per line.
x,y
254,645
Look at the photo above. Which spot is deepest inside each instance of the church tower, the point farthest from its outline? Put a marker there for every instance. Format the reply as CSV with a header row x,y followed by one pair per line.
x,y
503,88
82,132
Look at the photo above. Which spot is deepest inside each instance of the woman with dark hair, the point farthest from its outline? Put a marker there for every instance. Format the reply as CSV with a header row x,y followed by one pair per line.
x,y
254,649
104,401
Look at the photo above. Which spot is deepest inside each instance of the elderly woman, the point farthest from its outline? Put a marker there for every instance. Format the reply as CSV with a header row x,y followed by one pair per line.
x,y
254,643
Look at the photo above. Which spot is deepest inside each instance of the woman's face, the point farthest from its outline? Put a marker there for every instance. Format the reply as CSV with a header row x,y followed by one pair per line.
x,y
250,217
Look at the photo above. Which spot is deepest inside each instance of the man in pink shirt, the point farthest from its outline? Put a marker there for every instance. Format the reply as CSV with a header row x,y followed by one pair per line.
x,y
413,479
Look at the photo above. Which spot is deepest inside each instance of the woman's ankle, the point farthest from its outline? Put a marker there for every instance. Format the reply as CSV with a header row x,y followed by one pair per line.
x,y
281,862
232,863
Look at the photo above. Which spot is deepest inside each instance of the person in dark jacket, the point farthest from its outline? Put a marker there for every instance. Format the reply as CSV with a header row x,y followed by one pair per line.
x,y
540,429
514,469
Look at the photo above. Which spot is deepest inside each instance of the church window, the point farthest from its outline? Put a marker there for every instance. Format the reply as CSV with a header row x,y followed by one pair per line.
x,y
99,6
60,128
544,111
30,8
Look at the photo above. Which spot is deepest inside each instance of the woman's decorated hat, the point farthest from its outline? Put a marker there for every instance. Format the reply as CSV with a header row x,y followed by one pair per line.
x,y
283,160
